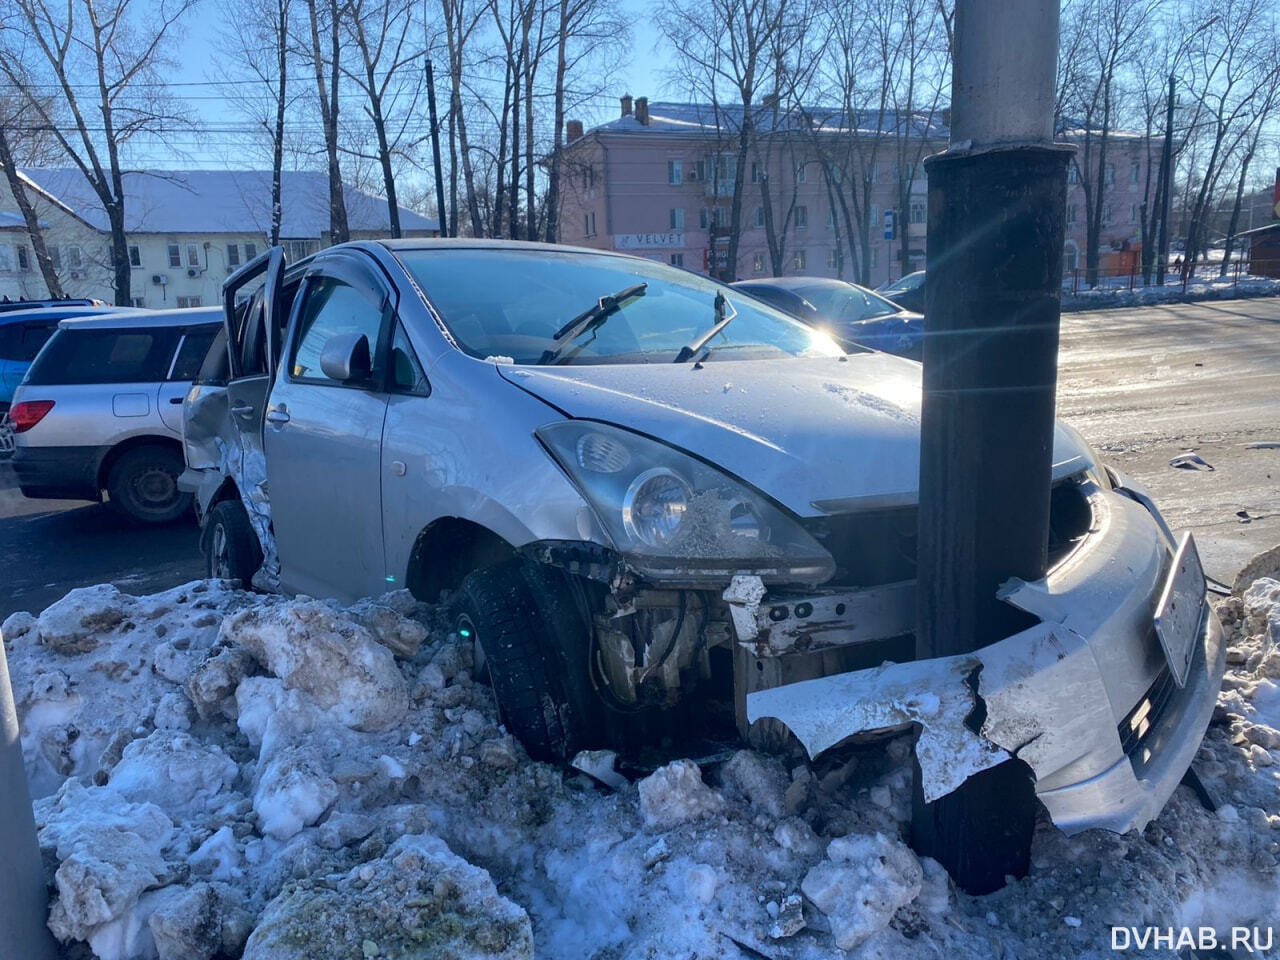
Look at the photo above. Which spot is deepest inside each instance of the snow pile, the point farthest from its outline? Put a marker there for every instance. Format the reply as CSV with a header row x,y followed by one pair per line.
x,y
1114,292
226,775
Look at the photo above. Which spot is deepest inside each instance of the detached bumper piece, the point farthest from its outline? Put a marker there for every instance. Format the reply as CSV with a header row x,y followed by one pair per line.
x,y
1089,697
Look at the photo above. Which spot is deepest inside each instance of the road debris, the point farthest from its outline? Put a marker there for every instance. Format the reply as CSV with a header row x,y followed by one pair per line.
x,y
1190,461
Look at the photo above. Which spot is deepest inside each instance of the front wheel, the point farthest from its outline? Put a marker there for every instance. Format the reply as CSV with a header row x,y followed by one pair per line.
x,y
529,657
232,551
143,485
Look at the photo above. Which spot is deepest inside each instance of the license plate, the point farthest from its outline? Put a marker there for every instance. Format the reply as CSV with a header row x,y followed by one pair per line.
x,y
1180,608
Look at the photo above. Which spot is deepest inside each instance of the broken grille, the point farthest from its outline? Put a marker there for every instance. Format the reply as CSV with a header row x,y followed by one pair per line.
x,y
1147,714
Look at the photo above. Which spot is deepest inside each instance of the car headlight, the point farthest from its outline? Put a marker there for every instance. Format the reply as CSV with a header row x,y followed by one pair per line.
x,y
676,518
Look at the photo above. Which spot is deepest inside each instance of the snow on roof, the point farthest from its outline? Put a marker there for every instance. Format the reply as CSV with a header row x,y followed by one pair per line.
x,y
709,119
221,201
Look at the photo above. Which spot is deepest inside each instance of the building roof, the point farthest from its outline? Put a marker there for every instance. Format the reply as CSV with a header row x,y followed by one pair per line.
x,y
14,221
221,201
705,119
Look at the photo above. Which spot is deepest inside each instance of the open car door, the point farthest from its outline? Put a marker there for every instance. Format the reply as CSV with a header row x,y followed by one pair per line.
x,y
223,411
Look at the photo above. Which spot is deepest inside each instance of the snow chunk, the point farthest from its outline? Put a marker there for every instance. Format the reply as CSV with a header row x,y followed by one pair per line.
x,y
330,656
174,771
862,884
293,792
419,900
675,794
17,626
72,625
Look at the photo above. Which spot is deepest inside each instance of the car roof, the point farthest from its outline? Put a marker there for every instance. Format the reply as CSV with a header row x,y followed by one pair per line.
x,y
129,319
795,283
472,243
59,313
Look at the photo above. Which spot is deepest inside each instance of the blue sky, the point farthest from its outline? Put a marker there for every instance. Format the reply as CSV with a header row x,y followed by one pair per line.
x,y
197,60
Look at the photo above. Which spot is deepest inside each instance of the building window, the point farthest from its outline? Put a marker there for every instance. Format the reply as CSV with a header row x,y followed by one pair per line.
x,y
586,224
175,255
802,216
1133,213
135,255
1070,257
1135,171
138,302
1106,214
1109,174
720,217
917,211
802,175
55,257
675,172
24,258
757,263
188,302
875,257
676,218
833,259
677,259
193,255
1071,211
759,216
1073,174
250,251
755,172
703,219
800,260
233,254
588,177
701,167
75,257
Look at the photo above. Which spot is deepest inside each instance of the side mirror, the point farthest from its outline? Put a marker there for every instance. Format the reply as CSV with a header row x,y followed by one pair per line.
x,y
346,358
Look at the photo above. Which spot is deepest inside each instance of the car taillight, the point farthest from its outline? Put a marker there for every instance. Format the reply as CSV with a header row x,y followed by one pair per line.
x,y
28,413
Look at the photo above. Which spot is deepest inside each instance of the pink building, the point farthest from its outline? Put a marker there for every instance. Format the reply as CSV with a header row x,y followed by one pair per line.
x,y
658,182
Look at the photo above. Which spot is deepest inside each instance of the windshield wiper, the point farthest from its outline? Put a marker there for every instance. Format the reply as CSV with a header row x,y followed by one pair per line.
x,y
591,318
690,349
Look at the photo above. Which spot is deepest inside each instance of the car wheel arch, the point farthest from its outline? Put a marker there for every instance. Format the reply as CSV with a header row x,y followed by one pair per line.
x,y
448,549
118,450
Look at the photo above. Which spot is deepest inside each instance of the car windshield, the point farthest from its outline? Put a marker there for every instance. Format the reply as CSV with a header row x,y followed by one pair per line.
x,y
846,303
510,303
909,282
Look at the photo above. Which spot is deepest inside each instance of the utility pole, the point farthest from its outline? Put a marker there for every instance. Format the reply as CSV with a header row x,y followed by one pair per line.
x,y
24,907
996,225
435,151
1166,176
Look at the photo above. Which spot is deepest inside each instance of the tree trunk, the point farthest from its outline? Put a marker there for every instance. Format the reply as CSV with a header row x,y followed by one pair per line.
x,y
277,145
51,281
1235,214
121,270
735,211
338,229
553,172
380,131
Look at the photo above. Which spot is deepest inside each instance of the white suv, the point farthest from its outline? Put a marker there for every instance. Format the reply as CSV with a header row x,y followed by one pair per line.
x,y
101,409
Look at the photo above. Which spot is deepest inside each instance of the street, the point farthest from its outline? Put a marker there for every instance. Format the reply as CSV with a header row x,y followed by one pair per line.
x,y
1143,385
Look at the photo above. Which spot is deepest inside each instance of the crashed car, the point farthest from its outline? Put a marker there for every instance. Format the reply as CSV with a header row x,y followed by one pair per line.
x,y
653,502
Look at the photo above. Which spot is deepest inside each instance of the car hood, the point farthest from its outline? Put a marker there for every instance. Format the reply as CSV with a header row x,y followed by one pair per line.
x,y
819,436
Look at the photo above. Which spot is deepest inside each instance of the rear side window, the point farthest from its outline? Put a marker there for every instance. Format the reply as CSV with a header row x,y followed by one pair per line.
x,y
192,351
31,337
136,355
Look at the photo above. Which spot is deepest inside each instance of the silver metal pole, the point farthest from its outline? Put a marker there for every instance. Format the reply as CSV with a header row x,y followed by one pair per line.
x,y
24,903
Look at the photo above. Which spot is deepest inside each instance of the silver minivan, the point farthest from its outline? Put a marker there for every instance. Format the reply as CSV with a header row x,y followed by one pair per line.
x,y
654,504
100,409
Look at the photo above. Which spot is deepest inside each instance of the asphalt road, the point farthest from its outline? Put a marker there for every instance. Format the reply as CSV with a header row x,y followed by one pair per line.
x,y
1144,385
1147,384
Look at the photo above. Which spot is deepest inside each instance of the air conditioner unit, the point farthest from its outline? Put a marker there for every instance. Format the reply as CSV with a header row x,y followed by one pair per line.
x,y
692,176
159,279
77,274
193,272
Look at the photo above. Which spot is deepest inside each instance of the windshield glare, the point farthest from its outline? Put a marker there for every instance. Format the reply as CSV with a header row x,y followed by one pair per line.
x,y
510,303
846,303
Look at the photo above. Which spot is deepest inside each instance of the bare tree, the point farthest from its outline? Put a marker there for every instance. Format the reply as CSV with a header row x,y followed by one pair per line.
x,y
326,16
391,79
727,52
102,56
35,145
460,22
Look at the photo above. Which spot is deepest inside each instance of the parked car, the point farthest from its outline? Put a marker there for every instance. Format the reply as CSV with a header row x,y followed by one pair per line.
x,y
24,332
100,410
907,292
652,501
8,306
849,313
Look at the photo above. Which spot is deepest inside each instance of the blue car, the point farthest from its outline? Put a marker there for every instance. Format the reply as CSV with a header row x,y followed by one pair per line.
x,y
849,313
24,332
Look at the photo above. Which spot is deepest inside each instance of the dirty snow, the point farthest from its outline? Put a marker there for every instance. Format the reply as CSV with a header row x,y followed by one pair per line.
x,y
221,774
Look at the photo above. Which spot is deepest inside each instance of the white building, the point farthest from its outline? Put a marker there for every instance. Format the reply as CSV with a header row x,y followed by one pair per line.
x,y
188,230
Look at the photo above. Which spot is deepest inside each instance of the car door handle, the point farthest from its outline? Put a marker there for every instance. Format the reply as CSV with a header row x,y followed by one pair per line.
x,y
242,409
176,401
277,416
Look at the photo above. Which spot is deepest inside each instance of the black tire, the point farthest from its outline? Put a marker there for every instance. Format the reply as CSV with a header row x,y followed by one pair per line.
x,y
538,683
143,485
231,548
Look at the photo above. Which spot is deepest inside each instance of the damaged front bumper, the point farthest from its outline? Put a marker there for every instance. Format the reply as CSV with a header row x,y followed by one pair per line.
x,y
1086,697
